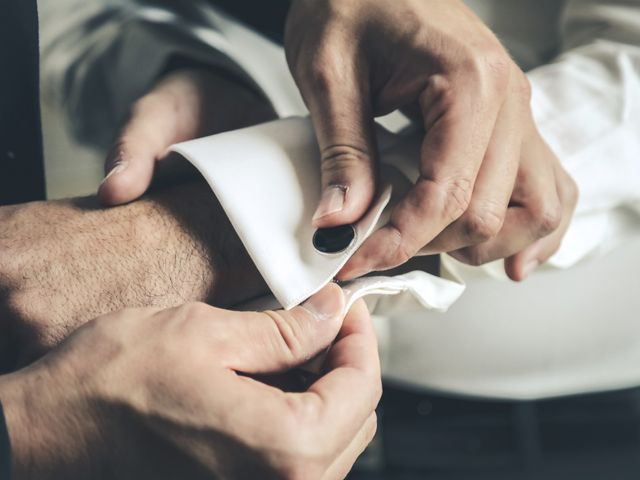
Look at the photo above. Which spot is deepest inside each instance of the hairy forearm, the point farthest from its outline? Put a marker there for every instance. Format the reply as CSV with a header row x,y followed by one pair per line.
x,y
63,263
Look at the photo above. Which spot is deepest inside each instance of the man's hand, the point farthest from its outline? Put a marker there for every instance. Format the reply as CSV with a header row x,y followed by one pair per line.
x,y
64,263
489,186
165,394
184,105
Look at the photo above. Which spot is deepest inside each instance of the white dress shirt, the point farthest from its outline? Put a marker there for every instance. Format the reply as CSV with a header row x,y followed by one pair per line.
x,y
583,59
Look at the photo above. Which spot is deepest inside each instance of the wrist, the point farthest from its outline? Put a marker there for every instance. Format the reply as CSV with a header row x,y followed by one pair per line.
x,y
211,261
46,432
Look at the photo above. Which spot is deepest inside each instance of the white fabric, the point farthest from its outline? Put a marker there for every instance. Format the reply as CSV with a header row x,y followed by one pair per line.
x,y
562,332
279,164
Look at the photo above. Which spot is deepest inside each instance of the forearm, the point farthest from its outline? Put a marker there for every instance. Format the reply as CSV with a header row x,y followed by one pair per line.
x,y
66,262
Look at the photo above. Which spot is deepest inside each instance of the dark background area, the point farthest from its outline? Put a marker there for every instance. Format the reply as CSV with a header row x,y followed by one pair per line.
x,y
266,16
437,437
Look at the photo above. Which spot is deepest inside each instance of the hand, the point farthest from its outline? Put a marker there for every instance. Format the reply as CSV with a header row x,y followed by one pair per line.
x,y
64,263
164,394
184,105
489,187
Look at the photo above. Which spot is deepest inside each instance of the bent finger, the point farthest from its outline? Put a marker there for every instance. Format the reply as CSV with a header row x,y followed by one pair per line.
x,y
452,153
535,212
275,341
521,265
347,394
494,185
334,408
130,165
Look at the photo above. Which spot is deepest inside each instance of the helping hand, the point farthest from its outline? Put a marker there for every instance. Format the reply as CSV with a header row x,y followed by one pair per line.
x,y
489,187
149,393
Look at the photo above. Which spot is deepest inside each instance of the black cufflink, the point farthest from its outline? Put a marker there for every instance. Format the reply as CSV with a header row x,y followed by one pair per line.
x,y
334,239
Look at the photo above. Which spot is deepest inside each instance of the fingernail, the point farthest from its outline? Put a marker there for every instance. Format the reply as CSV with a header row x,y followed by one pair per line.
x,y
327,303
332,201
119,167
530,267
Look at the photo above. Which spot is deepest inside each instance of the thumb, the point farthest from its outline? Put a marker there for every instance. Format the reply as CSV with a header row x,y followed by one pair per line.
x,y
342,116
269,342
143,141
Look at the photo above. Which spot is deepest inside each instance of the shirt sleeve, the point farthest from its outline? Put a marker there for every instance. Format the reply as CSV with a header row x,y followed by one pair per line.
x,y
587,106
99,56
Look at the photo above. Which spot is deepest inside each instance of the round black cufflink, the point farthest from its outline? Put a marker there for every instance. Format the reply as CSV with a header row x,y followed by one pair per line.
x,y
334,239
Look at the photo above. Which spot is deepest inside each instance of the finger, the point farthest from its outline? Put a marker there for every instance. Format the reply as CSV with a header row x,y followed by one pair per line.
x,y
344,397
143,141
275,341
459,128
334,408
536,210
520,266
494,185
344,463
337,94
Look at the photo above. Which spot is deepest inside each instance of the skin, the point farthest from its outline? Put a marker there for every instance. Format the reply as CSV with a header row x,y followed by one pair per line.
x,y
489,187
66,262
149,393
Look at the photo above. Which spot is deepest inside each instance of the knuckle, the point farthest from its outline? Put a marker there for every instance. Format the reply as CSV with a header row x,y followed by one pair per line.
x,y
339,159
492,64
497,67
457,197
547,217
287,336
481,225
402,254
523,89
473,256
324,71
192,320
441,90
394,252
